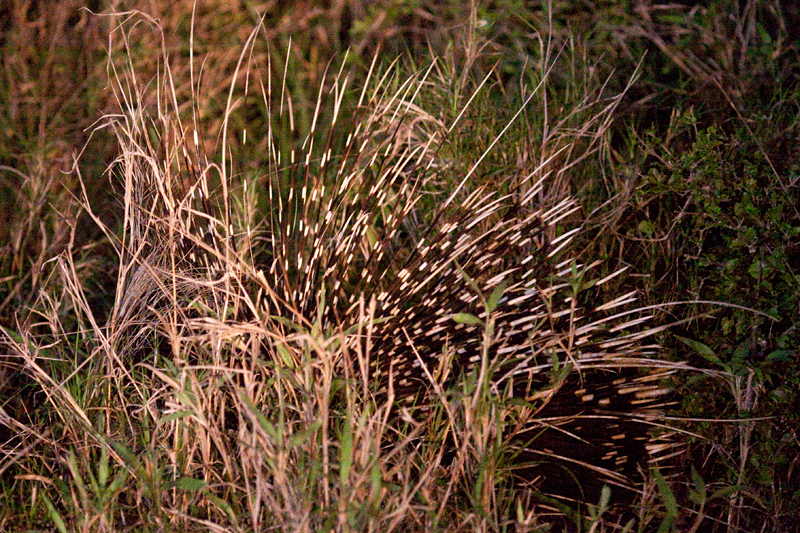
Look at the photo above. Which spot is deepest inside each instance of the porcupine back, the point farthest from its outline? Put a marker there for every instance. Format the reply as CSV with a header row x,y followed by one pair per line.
x,y
342,231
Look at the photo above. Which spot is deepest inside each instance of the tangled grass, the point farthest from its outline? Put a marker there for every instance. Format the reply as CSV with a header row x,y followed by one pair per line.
x,y
369,314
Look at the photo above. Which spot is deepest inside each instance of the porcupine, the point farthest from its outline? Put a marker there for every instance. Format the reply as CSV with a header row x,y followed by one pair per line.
x,y
343,231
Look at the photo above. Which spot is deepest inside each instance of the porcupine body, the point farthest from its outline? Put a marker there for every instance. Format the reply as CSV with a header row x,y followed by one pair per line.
x,y
342,233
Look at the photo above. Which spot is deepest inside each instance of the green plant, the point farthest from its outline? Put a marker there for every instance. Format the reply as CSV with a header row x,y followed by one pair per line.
x,y
719,223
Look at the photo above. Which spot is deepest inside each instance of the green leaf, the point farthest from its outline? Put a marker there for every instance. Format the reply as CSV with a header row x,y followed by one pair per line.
x,y
224,506
494,299
670,503
173,416
265,424
102,467
605,499
132,462
54,515
346,452
469,280
780,356
741,352
119,481
646,227
286,357
72,463
468,319
699,494
303,435
725,493
190,484
288,323
704,351
376,482
756,269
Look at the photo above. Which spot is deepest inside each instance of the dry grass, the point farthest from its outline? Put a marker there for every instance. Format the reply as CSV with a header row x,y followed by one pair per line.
x,y
357,308
224,394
